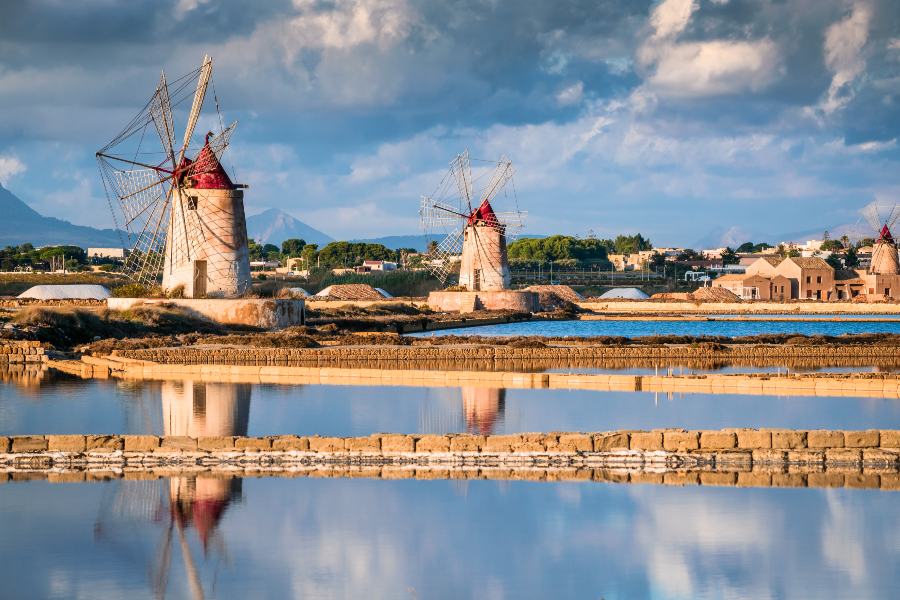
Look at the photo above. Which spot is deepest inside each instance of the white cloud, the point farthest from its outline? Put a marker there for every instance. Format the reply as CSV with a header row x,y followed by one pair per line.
x,y
571,95
704,68
844,42
714,68
671,17
10,166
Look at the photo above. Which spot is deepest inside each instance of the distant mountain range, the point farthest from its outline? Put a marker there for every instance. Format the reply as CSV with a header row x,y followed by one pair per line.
x,y
19,224
420,242
273,226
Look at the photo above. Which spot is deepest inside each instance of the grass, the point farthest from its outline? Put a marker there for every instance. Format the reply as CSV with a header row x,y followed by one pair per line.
x,y
13,284
66,327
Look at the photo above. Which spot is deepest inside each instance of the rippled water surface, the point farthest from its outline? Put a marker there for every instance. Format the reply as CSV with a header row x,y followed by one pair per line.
x,y
65,405
356,538
638,328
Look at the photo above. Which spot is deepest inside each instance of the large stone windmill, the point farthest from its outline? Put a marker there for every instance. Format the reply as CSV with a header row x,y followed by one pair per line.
x,y
469,226
885,260
184,217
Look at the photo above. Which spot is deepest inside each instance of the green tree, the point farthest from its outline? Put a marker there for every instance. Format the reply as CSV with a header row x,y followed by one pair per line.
x,y
832,245
835,261
745,247
729,257
851,260
657,260
255,250
865,242
630,244
432,247
292,247
350,254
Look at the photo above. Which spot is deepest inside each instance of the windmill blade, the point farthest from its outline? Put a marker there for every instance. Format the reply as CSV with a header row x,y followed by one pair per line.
x,y
199,95
462,171
512,222
501,175
441,260
144,263
434,214
205,162
161,113
137,191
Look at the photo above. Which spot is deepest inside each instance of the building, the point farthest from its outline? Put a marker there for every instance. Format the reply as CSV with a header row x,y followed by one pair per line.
x,y
113,253
811,277
380,265
755,287
631,262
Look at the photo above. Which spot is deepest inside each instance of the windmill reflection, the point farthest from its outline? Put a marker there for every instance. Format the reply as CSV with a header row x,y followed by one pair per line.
x,y
194,501
482,407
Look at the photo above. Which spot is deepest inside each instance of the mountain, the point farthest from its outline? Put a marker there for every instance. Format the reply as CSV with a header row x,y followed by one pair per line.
x,y
22,224
274,226
419,242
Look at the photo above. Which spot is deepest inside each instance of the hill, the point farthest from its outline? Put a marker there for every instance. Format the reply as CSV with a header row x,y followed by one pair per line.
x,y
22,224
419,242
273,226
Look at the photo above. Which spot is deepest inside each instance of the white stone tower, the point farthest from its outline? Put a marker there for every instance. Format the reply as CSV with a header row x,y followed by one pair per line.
x,y
484,265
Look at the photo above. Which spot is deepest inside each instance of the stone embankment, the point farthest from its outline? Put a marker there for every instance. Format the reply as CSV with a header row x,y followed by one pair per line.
x,y
328,356
645,307
878,385
21,352
778,457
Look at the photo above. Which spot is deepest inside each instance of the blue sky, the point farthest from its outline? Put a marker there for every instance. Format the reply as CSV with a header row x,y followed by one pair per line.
x,y
692,121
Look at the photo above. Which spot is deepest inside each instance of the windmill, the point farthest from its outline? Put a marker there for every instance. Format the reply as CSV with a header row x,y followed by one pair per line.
x,y
470,226
183,216
884,252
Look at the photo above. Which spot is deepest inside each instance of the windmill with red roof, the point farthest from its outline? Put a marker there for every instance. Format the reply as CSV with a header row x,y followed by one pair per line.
x,y
472,232
885,260
184,217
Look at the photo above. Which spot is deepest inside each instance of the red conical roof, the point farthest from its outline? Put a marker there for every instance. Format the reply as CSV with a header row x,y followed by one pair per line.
x,y
886,235
484,214
206,172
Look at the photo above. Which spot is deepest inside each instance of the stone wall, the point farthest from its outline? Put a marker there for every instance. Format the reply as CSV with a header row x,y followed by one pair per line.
x,y
465,302
769,450
330,355
810,307
21,352
264,313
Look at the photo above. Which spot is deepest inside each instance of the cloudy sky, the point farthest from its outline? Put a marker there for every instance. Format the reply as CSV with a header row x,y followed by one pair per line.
x,y
688,120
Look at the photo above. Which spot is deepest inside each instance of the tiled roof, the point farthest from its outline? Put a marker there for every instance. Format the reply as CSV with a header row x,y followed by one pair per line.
x,y
772,260
810,262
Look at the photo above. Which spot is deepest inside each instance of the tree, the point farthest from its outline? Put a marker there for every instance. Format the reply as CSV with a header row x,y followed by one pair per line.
x,y
631,244
729,257
832,245
688,254
865,242
851,260
657,260
292,248
432,247
254,249
845,240
270,252
835,261
557,248
745,247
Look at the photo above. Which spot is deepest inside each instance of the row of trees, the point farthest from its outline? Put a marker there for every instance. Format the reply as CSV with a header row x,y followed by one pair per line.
x,y
43,259
333,255
577,251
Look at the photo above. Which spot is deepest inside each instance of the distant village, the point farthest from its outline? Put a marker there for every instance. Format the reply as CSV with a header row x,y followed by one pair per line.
x,y
822,269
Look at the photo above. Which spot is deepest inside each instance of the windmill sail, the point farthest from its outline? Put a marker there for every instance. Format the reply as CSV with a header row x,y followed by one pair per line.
x,y
183,215
471,232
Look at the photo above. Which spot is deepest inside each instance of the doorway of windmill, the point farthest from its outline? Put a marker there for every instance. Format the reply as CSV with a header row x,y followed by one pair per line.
x,y
199,288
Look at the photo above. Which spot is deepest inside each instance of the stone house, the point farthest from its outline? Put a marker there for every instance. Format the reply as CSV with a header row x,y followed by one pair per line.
x,y
755,287
810,277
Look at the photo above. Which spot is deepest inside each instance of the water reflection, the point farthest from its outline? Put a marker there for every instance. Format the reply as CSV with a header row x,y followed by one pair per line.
x,y
193,408
313,537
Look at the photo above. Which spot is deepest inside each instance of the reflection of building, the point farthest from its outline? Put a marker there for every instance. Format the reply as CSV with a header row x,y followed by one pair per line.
x,y
204,409
197,410
482,407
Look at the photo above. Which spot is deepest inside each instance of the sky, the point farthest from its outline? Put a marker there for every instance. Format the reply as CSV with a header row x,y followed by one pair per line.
x,y
695,122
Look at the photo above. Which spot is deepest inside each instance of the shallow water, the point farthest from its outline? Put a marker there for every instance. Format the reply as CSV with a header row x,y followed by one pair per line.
x,y
66,405
639,328
355,538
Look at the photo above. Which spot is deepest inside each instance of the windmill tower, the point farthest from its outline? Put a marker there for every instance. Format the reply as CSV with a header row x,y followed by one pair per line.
x,y
470,226
884,252
184,217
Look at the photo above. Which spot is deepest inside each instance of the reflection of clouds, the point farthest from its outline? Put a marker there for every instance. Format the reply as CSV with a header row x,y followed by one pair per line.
x,y
841,546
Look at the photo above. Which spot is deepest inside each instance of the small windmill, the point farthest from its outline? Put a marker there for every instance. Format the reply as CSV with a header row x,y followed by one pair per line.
x,y
884,252
469,226
184,217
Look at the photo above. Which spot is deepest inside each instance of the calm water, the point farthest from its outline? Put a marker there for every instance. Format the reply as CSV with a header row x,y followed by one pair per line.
x,y
188,408
638,328
357,538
